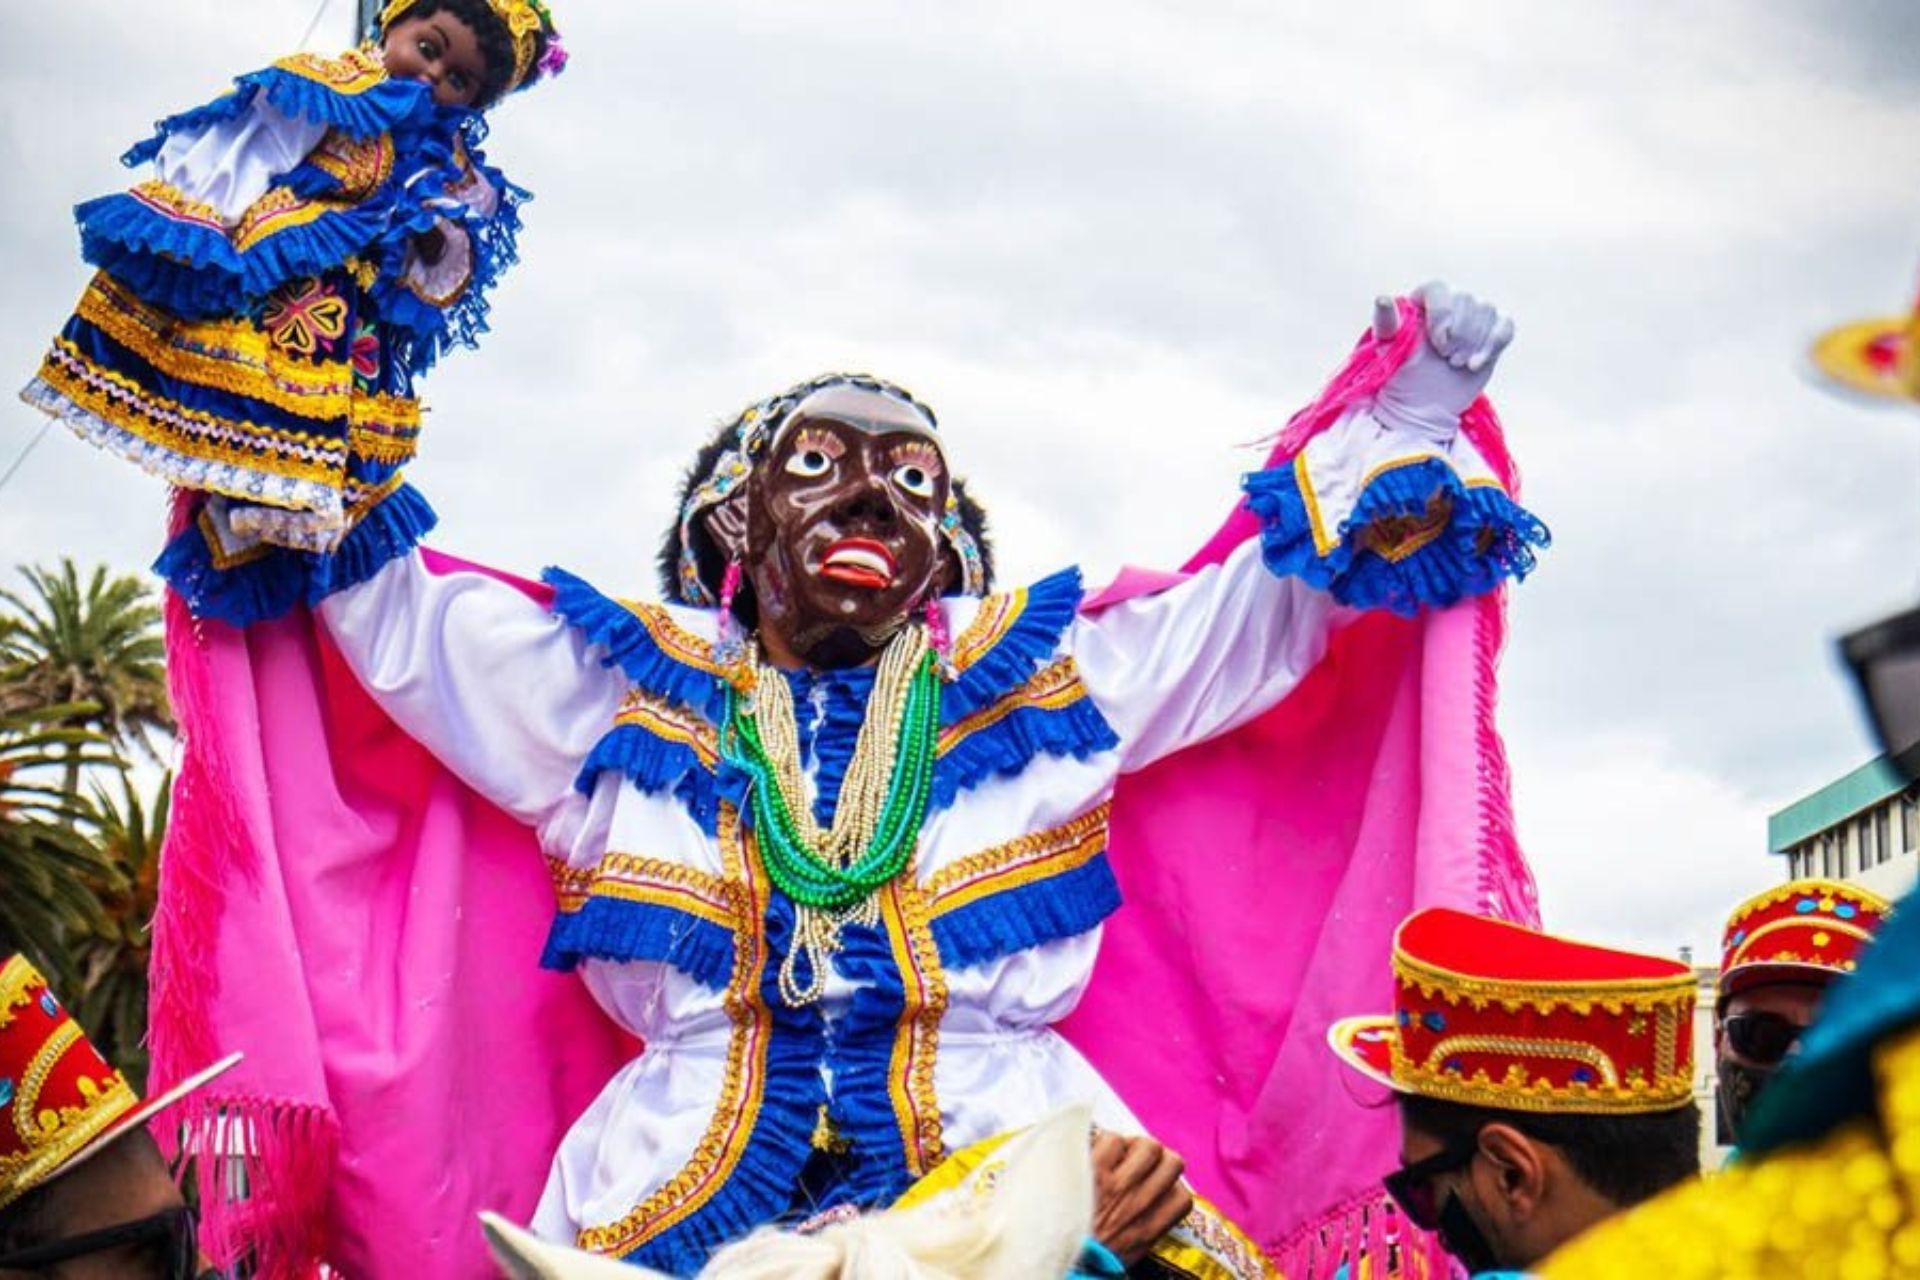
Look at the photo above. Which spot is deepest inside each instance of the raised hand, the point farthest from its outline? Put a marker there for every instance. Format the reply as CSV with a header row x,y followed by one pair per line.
x,y
1448,371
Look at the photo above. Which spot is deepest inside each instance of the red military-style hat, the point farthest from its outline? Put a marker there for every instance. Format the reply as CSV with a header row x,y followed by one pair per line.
x,y
1803,931
1495,1015
60,1103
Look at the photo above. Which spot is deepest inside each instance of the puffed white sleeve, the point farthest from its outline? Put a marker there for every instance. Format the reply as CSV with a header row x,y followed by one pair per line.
x,y
1175,668
228,164
1373,513
504,693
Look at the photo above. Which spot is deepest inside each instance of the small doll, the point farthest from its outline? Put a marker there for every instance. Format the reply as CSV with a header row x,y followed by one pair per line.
x,y
310,243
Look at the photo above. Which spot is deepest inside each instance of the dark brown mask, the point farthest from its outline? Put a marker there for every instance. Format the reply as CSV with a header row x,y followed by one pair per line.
x,y
842,536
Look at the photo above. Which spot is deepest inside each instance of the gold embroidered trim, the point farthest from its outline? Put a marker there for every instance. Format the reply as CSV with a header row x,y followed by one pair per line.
x,y
359,165
1814,888
25,1106
1666,1042
673,639
16,977
278,210
167,199
719,1149
1582,997
230,355
1036,856
352,72
995,618
26,1170
916,1043
1054,686
634,878
125,404
1742,954
672,723
1515,1091
1207,1246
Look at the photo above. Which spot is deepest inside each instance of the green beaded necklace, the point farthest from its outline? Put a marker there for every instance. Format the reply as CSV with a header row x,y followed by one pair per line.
x,y
832,876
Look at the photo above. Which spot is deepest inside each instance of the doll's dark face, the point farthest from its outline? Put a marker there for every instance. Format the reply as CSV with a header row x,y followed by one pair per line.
x,y
438,50
843,529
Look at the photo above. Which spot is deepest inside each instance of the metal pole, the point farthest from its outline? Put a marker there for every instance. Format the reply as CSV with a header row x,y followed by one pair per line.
x,y
369,9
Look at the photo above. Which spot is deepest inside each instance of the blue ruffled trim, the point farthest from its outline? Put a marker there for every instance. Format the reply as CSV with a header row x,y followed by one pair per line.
x,y
763,1183
187,268
860,1061
619,930
1022,918
1034,637
1490,539
425,331
1010,744
230,105
272,584
630,646
386,106
655,765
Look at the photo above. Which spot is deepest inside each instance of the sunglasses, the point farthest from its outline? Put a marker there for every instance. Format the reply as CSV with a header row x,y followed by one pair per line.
x,y
1761,1038
1411,1186
171,1240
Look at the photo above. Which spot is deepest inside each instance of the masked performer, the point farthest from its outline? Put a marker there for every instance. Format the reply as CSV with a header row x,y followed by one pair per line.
x,y
837,832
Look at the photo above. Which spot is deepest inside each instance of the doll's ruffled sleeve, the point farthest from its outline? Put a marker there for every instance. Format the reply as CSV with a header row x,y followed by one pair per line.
x,y
230,212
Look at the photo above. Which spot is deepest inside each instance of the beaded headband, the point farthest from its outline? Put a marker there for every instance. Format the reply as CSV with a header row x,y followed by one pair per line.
x,y
754,431
526,22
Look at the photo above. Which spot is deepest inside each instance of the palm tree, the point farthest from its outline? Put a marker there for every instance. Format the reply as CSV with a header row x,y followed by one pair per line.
x,y
49,867
112,954
65,643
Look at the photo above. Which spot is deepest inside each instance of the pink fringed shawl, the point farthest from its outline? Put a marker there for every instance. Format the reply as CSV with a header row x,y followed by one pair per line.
x,y
367,930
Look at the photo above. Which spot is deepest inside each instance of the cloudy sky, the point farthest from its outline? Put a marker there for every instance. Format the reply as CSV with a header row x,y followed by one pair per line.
x,y
1113,242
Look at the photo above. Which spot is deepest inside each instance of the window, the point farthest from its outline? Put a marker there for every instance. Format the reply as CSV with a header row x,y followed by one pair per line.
x,y
1826,855
1909,823
1882,841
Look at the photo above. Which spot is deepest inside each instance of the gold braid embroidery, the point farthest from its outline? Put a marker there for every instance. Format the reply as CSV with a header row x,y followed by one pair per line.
x,y
167,199
996,617
672,723
230,355
1481,1089
25,1121
16,977
360,166
1035,856
1742,954
673,639
126,405
1206,1245
1581,997
636,878
916,1044
1666,1042
720,1147
353,72
1054,686
278,210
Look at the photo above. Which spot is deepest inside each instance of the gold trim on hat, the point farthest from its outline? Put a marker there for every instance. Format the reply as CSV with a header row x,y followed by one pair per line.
x,y
1612,995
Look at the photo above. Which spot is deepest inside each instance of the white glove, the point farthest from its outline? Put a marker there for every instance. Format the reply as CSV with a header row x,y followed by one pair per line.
x,y
1447,372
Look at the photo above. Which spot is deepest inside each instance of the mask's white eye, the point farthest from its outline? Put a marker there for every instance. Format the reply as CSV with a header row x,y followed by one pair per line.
x,y
809,463
915,479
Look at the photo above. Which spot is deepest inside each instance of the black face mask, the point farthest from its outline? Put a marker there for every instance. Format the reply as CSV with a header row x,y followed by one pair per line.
x,y
1463,1239
1740,1084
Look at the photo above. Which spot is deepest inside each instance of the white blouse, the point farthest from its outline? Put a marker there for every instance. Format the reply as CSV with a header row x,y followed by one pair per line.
x,y
513,699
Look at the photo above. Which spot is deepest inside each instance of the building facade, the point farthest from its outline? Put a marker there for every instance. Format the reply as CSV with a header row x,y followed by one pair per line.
x,y
1863,828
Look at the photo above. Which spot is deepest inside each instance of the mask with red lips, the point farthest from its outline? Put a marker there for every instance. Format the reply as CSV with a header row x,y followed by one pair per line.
x,y
842,536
